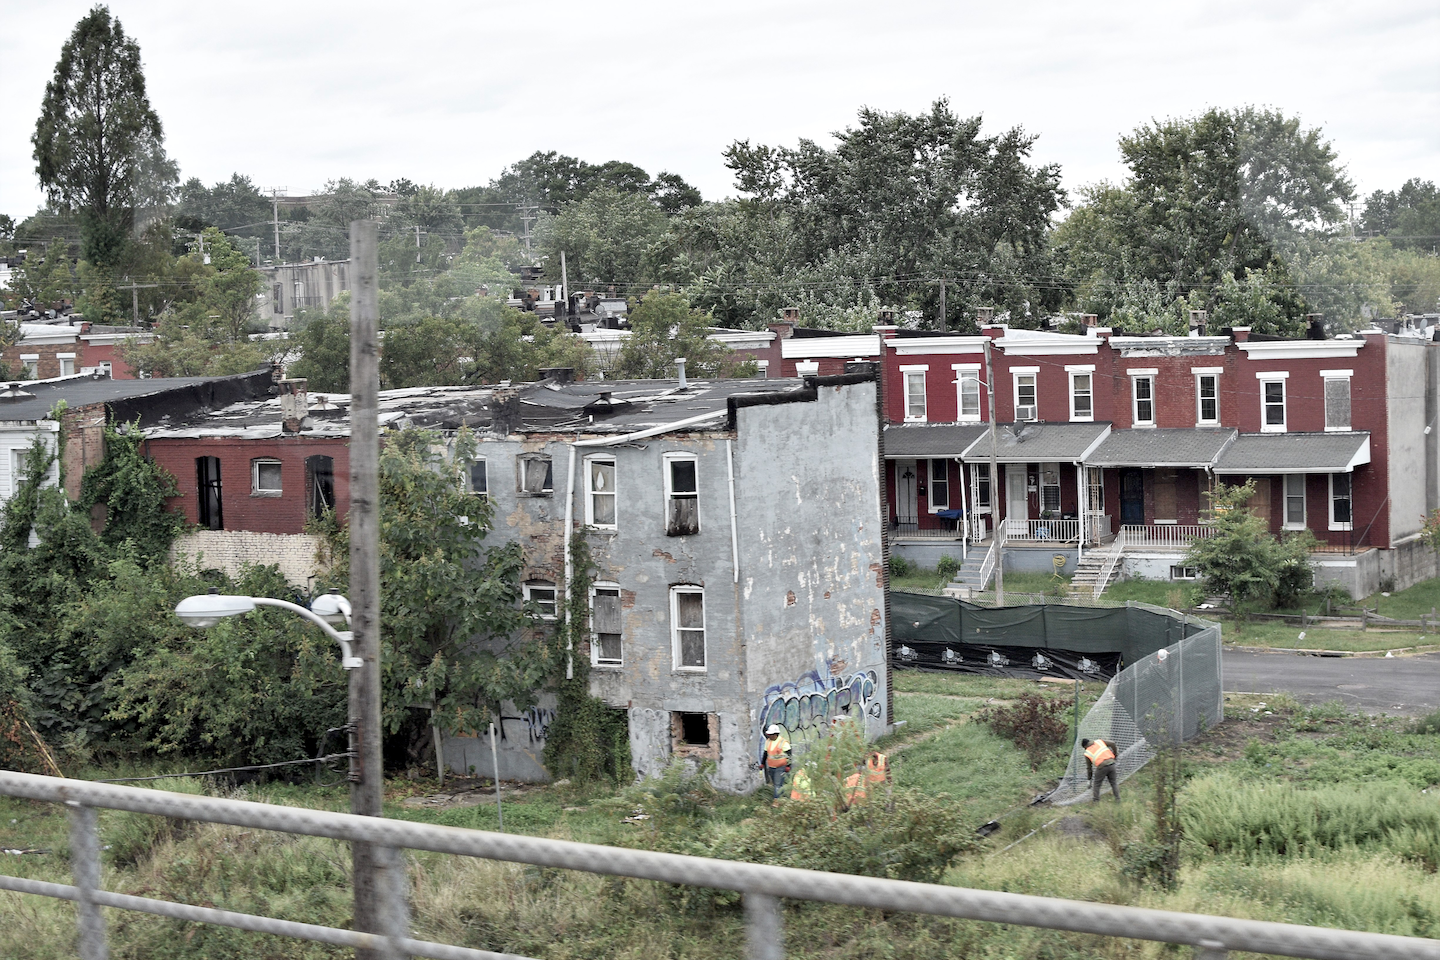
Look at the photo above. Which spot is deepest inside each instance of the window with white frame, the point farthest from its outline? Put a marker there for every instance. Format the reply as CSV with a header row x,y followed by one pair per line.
x,y
67,363
682,495
607,649
600,492
536,478
1082,393
1094,491
1142,398
1026,406
1337,399
541,593
1272,402
939,485
477,480
1207,397
1341,514
981,473
914,392
807,368
967,390
1184,573
265,478
1294,501
30,364
687,620
1050,487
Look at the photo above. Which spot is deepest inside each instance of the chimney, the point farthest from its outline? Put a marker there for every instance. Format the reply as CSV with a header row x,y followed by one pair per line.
x,y
790,315
1314,326
1198,321
680,371
294,404
984,316
1241,334
558,374
1089,320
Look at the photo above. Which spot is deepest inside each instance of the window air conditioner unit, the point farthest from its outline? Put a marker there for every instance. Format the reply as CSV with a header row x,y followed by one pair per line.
x,y
1025,411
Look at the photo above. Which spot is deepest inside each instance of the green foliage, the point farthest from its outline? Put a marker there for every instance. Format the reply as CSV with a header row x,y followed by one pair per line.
x,y
606,238
1035,724
901,567
664,328
947,567
1244,561
1429,724
1410,216
98,143
325,347
1156,859
132,489
588,740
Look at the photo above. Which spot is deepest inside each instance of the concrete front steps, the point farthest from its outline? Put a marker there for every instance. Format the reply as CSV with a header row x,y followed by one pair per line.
x,y
1088,572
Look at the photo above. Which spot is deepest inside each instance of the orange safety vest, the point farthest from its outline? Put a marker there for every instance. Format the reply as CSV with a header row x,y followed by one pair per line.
x,y
855,790
877,768
1099,752
775,751
800,788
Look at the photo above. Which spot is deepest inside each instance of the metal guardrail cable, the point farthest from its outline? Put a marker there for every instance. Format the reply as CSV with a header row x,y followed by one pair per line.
x,y
1102,919
206,773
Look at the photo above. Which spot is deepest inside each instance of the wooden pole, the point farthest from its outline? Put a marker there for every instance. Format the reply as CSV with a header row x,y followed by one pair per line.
x,y
995,481
367,788
495,769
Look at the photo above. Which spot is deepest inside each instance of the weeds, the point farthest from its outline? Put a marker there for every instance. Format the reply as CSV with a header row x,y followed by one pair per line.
x,y
1035,724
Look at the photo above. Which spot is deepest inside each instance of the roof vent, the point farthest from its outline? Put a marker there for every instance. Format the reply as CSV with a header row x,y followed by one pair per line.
x,y
12,393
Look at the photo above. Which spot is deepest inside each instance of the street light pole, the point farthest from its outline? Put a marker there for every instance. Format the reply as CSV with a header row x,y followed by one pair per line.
x,y
367,789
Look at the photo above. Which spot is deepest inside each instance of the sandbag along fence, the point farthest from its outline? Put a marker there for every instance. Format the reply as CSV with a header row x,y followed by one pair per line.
x,y
1163,668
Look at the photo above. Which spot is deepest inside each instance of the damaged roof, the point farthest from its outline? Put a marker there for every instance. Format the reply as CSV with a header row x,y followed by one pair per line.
x,y
546,406
151,400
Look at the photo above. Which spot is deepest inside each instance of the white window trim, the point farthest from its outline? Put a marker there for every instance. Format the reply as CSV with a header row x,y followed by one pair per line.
x,y
590,492
71,356
930,504
963,372
1348,376
1085,371
1015,374
595,660
1285,522
906,373
528,586
665,461
469,478
979,508
675,627
524,463
1137,375
1279,378
1198,372
807,368
1330,503
255,490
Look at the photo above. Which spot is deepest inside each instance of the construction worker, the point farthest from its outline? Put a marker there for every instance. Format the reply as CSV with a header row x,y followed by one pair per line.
x,y
877,768
800,788
1099,767
855,789
777,759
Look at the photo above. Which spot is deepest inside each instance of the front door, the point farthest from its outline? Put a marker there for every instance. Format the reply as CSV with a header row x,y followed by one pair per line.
x,y
1132,497
906,508
1017,504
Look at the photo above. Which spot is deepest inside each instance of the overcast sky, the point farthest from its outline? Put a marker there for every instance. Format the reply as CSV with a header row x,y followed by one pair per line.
x,y
293,94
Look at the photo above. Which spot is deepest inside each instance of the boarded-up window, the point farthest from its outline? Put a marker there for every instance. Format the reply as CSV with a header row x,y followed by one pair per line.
x,y
682,497
688,617
605,620
1165,495
535,477
600,487
1260,503
1337,403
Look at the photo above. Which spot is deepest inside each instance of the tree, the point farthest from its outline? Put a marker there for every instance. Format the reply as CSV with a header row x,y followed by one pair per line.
x,y
1410,216
1242,559
99,147
324,340
606,238
663,328
234,205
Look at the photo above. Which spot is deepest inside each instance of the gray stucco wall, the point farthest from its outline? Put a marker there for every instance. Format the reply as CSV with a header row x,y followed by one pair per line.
x,y
1407,372
810,533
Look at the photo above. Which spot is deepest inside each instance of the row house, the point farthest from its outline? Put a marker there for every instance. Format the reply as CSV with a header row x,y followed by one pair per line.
x,y
49,350
1109,443
736,529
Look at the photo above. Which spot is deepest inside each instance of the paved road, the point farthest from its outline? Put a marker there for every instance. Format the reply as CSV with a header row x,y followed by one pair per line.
x,y
1399,685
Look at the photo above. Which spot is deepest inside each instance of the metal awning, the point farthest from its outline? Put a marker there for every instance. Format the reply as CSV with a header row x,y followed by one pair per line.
x,y
1195,447
930,440
1039,442
1258,454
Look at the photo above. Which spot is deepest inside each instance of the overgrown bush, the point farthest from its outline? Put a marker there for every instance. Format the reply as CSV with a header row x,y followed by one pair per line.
x,y
947,568
900,567
1428,724
1035,724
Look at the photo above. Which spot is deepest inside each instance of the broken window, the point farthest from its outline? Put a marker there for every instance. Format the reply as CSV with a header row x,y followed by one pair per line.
x,y
319,486
477,480
695,735
600,492
207,483
682,496
542,594
1337,403
605,623
687,617
265,478
535,476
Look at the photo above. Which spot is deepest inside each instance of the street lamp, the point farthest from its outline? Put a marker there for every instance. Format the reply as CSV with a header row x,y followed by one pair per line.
x,y
207,609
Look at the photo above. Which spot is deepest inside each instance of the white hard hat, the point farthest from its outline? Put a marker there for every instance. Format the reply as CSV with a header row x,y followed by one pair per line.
x,y
773,728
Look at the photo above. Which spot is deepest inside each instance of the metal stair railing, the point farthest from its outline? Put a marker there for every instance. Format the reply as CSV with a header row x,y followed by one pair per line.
x,y
1117,553
987,568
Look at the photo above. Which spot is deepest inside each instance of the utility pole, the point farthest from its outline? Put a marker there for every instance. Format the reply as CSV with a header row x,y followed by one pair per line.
x,y
943,325
135,289
995,481
275,219
367,789
564,283
526,218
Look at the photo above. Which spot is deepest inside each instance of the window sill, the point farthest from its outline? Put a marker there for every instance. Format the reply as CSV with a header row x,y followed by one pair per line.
x,y
1345,429
607,665
611,531
1271,429
691,670
1341,527
1142,426
267,494
543,495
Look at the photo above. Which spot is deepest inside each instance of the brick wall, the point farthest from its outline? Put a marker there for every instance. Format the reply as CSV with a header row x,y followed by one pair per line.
x,y
231,550
241,508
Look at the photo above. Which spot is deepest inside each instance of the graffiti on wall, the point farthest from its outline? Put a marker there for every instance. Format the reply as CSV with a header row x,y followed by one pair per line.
x,y
805,707
535,721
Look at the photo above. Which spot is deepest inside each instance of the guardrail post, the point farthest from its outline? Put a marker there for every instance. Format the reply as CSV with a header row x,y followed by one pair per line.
x,y
85,866
1210,950
764,929
390,890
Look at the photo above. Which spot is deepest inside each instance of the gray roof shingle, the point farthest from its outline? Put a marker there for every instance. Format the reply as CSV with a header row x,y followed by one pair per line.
x,y
1039,442
1271,453
931,440
1165,447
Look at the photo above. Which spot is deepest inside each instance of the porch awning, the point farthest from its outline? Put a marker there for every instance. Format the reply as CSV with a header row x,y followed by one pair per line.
x,y
1270,453
1195,447
1039,442
930,440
